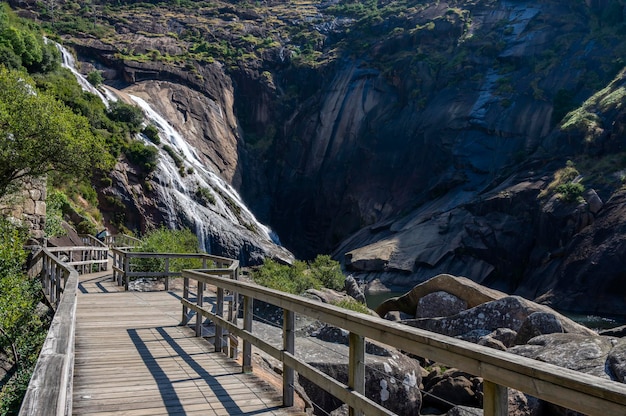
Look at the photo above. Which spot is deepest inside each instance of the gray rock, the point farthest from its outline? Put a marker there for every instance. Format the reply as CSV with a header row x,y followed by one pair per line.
x,y
505,335
344,410
397,316
464,411
490,342
474,335
538,323
618,332
617,361
453,386
353,289
584,353
391,381
439,304
594,202
521,404
509,312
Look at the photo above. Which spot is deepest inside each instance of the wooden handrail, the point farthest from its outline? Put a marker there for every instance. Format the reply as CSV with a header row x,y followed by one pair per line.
x,y
121,241
50,387
500,370
123,259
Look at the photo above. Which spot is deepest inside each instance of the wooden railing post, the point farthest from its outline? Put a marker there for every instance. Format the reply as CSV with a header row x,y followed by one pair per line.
x,y
167,270
46,275
356,368
185,319
53,293
219,311
126,270
289,345
199,302
233,309
57,284
495,399
247,326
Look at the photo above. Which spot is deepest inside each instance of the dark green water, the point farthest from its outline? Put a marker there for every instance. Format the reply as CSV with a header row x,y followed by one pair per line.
x,y
376,299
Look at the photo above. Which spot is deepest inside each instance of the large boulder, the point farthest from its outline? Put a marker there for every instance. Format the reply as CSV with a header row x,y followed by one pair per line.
x,y
463,288
439,304
508,312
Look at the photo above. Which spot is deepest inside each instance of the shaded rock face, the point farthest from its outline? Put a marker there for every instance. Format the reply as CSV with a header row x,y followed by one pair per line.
x,y
432,163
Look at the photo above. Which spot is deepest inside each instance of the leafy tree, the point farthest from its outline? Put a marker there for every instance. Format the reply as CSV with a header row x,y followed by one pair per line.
x,y
38,134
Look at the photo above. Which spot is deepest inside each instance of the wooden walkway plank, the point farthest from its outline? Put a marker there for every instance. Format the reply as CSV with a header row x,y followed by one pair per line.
x,y
133,359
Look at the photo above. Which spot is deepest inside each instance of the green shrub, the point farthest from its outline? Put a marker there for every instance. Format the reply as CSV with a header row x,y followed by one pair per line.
x,y
86,227
164,240
293,279
352,305
178,161
204,196
570,192
131,115
321,272
57,204
328,272
95,78
145,157
152,133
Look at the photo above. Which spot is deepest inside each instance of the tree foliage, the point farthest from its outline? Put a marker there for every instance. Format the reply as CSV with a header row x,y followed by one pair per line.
x,y
22,331
38,134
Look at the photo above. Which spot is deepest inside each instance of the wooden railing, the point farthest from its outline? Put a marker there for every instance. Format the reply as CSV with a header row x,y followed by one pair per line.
x,y
500,370
121,241
89,258
125,265
50,388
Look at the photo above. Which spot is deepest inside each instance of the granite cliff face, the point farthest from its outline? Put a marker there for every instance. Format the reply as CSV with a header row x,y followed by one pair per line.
x,y
419,140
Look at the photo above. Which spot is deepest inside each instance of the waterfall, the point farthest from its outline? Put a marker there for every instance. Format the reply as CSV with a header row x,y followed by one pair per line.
x,y
70,63
195,196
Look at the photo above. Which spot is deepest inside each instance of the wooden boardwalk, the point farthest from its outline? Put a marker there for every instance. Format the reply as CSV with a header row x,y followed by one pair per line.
x,y
132,358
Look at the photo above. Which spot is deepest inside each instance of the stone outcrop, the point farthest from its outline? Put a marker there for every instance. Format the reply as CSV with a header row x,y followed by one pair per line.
x,y
468,291
28,206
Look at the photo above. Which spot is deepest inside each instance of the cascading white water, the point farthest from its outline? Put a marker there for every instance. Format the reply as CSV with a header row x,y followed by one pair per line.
x,y
223,217
70,63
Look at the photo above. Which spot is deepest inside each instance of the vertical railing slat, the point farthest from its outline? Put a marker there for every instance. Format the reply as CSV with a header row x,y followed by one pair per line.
x,y
495,400
289,345
356,368
219,311
247,326
199,302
